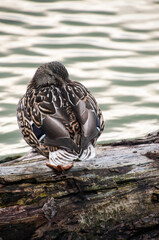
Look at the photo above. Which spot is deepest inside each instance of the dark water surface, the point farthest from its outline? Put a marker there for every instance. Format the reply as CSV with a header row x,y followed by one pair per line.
x,y
112,47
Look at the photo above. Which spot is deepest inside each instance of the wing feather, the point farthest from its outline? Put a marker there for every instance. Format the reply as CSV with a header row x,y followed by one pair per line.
x,y
87,112
69,118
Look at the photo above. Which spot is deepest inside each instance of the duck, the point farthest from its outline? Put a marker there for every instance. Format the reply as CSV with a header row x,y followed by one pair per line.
x,y
59,118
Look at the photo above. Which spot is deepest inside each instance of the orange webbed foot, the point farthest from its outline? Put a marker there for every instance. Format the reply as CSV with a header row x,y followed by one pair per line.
x,y
59,168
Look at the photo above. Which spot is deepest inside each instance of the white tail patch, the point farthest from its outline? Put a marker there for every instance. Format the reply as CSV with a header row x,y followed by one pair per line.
x,y
61,157
64,158
88,153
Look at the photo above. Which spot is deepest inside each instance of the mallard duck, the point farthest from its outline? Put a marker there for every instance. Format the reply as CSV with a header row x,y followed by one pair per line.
x,y
59,118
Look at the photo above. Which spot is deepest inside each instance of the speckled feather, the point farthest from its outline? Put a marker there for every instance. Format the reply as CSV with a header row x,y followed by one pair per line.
x,y
60,117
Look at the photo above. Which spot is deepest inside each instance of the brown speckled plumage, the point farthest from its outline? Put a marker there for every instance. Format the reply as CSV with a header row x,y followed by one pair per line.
x,y
56,113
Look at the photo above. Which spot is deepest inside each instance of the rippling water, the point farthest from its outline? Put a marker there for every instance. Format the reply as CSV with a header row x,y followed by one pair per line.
x,y
110,46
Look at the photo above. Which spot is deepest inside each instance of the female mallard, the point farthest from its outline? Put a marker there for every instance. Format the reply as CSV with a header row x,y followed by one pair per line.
x,y
59,118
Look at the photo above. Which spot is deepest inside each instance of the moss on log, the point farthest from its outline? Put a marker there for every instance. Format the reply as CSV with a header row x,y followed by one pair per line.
x,y
113,196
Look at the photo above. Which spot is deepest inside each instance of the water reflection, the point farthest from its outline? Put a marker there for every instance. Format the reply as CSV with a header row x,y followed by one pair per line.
x,y
110,46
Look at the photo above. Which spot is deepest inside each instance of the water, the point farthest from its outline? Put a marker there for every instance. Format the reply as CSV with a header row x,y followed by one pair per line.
x,y
112,47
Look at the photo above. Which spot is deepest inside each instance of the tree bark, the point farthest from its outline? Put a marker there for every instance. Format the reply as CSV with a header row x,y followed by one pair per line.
x,y
113,196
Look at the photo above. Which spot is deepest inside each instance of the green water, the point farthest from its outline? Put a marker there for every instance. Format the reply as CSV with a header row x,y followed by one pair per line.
x,y
112,47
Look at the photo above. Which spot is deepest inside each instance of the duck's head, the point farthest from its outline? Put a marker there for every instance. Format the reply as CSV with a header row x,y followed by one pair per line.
x,y
50,73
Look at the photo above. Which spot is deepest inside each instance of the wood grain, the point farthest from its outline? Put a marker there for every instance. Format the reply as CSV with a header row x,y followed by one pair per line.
x,y
113,196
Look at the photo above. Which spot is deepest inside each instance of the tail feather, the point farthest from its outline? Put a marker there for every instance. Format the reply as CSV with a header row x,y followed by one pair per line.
x,y
63,158
88,153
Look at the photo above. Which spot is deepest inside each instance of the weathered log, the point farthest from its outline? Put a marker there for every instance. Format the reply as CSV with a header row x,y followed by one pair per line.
x,y
113,196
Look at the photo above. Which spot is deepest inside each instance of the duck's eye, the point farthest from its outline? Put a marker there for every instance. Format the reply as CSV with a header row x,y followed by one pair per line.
x,y
69,88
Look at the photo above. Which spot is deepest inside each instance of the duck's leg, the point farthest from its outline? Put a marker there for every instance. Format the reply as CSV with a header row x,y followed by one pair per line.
x,y
61,160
